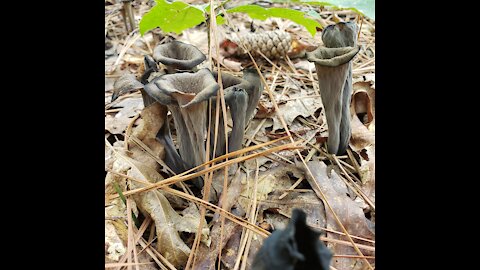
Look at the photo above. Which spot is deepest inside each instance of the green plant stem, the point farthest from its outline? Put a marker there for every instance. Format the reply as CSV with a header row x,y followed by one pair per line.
x,y
122,197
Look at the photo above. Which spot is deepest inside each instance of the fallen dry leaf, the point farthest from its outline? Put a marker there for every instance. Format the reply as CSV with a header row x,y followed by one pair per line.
x,y
170,245
190,220
114,246
230,251
348,211
129,108
152,119
361,135
363,101
154,204
296,105
206,256
308,202
269,181
367,172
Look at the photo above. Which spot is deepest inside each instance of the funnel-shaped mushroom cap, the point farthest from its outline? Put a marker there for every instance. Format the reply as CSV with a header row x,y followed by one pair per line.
x,y
250,82
178,55
332,57
185,88
126,83
230,80
342,34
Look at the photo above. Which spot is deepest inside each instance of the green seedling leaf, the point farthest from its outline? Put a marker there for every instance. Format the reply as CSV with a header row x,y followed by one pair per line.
x,y
171,17
220,20
260,13
362,7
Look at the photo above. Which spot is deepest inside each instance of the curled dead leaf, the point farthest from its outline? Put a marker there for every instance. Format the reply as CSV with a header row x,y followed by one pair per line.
x,y
362,102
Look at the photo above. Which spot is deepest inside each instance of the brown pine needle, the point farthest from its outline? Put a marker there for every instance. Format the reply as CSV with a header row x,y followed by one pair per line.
x,y
346,243
354,256
181,178
291,188
356,188
246,224
113,265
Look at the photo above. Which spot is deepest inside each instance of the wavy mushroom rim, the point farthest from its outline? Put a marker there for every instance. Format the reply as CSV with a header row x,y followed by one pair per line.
x,y
332,57
188,57
172,86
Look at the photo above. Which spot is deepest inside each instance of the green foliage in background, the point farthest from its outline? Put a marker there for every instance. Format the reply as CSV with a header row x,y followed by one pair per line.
x,y
171,17
260,13
363,7
178,16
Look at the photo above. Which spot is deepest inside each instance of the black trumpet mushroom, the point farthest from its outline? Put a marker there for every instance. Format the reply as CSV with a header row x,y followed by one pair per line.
x,y
178,56
241,95
297,247
128,83
186,95
334,71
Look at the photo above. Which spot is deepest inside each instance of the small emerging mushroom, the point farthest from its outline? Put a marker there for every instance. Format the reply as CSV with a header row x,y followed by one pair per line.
x,y
177,55
186,95
334,71
294,248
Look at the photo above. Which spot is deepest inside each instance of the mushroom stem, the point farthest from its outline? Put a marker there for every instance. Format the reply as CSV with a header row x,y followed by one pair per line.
x,y
236,99
186,95
334,70
254,93
172,159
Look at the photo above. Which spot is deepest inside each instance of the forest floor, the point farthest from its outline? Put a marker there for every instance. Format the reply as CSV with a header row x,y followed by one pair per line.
x,y
336,192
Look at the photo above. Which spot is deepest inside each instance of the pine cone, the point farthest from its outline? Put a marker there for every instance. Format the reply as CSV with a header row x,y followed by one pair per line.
x,y
273,44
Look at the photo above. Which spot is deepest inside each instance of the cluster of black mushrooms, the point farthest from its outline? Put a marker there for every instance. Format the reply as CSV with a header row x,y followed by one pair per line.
x,y
186,90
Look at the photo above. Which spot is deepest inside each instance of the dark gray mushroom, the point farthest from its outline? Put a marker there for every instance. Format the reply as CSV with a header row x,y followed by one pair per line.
x,y
185,95
177,55
334,70
150,94
234,91
125,84
296,247
342,34
129,83
241,96
254,93
150,68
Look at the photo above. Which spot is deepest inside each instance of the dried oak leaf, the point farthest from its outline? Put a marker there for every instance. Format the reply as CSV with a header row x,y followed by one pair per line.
x,y
363,102
348,211
269,181
363,132
114,246
169,243
230,251
190,220
206,256
167,221
130,107
296,105
308,202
